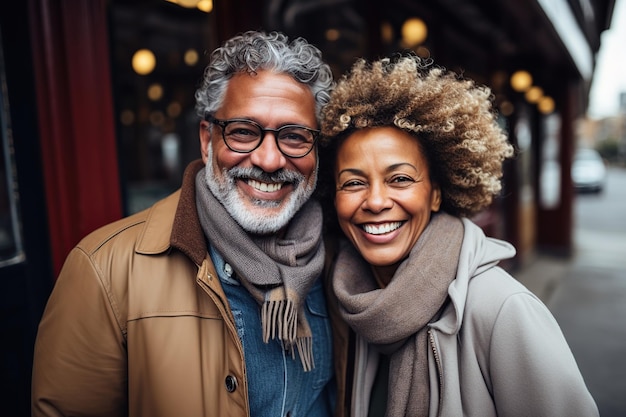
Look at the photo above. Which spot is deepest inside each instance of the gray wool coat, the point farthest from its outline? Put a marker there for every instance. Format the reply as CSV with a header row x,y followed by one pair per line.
x,y
496,350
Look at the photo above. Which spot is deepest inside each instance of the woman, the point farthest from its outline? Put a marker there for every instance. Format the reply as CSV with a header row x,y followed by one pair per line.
x,y
441,330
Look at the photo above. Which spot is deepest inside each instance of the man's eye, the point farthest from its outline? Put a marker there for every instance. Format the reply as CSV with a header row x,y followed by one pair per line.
x,y
292,138
242,131
296,135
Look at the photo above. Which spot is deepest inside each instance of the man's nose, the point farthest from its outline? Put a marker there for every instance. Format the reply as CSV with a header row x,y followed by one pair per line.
x,y
267,156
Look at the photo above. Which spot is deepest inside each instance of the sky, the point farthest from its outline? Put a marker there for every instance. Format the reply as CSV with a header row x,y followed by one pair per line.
x,y
609,78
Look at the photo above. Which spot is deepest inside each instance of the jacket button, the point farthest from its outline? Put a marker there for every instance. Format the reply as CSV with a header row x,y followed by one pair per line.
x,y
231,383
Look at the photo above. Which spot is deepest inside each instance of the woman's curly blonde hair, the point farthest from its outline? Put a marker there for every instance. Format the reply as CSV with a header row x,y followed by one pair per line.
x,y
451,117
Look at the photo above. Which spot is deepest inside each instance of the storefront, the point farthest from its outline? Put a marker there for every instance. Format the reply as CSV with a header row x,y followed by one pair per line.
x,y
89,135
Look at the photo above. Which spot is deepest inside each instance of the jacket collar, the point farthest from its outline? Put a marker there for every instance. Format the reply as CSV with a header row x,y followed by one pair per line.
x,y
479,253
173,222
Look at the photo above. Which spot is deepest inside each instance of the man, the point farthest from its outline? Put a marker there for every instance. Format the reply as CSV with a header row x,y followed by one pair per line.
x,y
209,303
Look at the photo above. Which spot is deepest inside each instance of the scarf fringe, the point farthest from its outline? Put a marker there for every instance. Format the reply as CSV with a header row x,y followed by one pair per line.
x,y
305,350
280,319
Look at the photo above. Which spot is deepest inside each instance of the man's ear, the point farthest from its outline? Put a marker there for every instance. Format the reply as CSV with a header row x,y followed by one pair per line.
x,y
205,140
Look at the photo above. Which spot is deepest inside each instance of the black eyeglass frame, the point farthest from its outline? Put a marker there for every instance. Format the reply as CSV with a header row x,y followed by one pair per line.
x,y
223,123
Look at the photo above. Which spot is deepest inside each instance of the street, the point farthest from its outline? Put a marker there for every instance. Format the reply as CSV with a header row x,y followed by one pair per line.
x,y
589,301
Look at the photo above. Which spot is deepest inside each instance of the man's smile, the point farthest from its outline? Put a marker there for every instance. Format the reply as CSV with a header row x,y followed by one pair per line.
x,y
263,186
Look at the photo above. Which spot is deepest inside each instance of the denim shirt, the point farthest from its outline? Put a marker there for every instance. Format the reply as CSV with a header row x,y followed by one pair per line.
x,y
277,383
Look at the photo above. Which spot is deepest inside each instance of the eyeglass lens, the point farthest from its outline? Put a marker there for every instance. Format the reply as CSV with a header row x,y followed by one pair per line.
x,y
245,137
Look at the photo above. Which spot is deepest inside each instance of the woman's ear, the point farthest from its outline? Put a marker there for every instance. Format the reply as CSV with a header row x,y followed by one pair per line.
x,y
435,198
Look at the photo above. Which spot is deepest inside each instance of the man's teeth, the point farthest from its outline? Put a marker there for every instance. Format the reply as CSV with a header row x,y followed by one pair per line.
x,y
381,228
265,187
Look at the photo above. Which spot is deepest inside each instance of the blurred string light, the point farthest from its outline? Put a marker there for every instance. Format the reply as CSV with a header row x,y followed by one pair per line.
x,y
506,108
546,105
174,109
521,81
203,5
127,117
499,79
414,31
533,94
155,92
157,118
332,35
386,32
143,61
191,57
190,4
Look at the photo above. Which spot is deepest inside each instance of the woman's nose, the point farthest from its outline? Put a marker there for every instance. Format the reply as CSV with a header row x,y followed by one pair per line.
x,y
377,199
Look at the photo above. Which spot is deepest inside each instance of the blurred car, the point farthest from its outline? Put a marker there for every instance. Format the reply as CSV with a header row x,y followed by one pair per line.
x,y
588,171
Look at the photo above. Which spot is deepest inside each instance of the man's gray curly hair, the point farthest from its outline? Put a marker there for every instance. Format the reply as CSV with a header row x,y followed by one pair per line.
x,y
254,51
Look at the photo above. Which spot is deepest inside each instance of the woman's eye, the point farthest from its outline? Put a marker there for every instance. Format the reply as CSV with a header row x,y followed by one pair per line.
x,y
350,184
402,180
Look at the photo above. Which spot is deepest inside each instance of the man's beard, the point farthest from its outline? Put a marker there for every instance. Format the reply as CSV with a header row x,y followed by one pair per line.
x,y
259,221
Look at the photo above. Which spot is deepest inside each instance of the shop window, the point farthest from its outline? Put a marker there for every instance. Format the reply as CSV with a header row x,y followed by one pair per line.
x,y
157,128
11,251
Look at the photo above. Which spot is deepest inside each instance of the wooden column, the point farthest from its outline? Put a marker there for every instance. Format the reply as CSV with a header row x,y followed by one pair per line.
x,y
555,224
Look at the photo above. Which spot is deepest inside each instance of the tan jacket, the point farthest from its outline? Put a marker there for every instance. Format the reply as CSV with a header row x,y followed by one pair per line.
x,y
144,281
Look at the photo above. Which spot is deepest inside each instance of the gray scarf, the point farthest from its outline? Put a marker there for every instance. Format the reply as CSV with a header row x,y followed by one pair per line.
x,y
395,318
278,272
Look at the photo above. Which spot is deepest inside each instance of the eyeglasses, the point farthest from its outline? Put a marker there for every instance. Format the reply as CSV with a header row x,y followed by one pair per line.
x,y
244,136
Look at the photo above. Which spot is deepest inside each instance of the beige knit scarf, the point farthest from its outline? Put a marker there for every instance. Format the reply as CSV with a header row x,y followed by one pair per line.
x,y
278,272
395,318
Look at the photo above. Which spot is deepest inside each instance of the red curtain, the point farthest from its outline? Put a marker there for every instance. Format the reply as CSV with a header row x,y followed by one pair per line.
x,y
75,113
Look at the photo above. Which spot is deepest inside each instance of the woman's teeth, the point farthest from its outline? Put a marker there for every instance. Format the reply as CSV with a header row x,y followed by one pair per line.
x,y
381,228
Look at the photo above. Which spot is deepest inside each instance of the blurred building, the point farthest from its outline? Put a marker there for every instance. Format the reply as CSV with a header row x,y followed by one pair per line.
x,y
607,135
89,134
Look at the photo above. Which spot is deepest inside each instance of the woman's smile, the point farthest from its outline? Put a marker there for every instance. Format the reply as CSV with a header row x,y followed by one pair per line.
x,y
384,196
